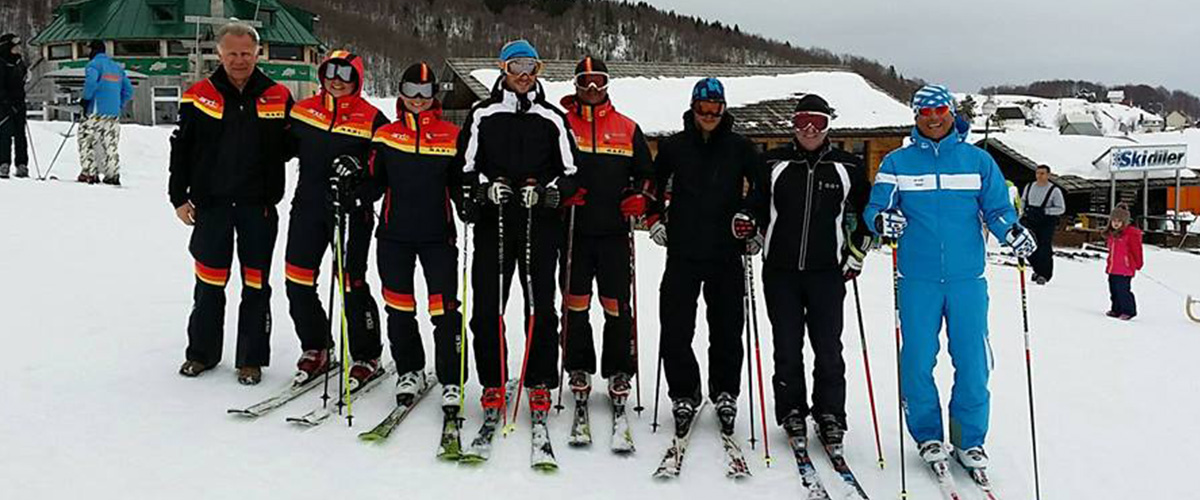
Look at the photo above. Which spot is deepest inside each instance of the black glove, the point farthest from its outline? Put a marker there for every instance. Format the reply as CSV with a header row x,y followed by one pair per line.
x,y
743,226
347,167
468,208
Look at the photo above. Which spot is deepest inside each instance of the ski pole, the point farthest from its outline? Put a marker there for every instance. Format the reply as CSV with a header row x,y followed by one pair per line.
x,y
33,150
1037,485
341,270
899,389
529,310
862,335
46,175
657,385
749,363
462,336
566,288
762,398
637,367
332,284
500,319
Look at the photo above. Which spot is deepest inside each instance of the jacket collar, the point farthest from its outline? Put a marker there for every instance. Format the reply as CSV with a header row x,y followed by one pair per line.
x,y
588,112
414,120
936,147
255,86
514,102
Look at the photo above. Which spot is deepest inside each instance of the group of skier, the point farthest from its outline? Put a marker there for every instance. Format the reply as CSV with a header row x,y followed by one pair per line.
x,y
544,191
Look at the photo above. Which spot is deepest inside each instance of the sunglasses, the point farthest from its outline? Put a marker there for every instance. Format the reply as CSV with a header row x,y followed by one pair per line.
x,y
708,109
523,66
417,90
942,110
594,80
805,120
340,71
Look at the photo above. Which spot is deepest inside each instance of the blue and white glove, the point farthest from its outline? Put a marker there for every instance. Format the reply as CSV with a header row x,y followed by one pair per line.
x,y
891,224
1021,241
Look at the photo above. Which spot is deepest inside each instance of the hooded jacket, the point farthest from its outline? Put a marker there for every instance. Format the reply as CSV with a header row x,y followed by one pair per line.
x,y
613,158
324,127
412,167
12,80
1124,251
943,188
106,88
230,145
704,183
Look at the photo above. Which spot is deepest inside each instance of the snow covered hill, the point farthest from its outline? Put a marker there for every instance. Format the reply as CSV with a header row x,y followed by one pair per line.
x,y
96,288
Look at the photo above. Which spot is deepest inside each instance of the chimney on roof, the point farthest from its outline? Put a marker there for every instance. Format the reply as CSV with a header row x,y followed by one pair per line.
x,y
216,8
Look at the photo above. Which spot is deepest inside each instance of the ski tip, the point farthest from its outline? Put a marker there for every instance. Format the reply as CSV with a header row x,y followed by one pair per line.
x,y
239,412
370,437
545,468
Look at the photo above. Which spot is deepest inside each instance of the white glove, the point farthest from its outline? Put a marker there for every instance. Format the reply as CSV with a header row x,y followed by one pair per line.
x,y
1021,241
346,166
891,224
658,233
530,195
498,192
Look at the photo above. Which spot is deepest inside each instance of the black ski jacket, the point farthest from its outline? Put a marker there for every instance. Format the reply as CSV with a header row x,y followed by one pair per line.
x,y
613,158
813,207
230,145
12,82
704,184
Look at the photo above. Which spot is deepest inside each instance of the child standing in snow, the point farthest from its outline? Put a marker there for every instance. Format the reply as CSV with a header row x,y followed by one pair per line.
x,y
1124,260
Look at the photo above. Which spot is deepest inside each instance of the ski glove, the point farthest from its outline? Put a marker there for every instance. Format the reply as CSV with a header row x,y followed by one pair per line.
x,y
754,244
743,226
852,262
633,204
658,231
1021,241
468,208
576,200
532,193
499,192
891,224
347,167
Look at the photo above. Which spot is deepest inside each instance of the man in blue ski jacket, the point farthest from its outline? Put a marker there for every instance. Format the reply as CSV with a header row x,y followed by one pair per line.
x,y
933,197
106,91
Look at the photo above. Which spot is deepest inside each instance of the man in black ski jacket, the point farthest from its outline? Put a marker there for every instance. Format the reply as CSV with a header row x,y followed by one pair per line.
x,y
616,169
707,170
814,196
227,175
518,159
13,72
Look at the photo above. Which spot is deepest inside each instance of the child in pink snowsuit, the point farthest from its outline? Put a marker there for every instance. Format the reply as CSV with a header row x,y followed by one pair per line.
x,y
1124,260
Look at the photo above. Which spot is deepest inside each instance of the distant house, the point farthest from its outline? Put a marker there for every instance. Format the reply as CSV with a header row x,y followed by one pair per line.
x,y
153,37
1079,124
1011,116
1178,120
1151,123
1116,96
870,122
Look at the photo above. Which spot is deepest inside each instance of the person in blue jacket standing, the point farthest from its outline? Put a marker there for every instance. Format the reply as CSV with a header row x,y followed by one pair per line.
x,y
934,197
106,91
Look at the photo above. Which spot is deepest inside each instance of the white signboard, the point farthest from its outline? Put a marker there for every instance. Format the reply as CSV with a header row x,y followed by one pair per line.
x,y
1143,158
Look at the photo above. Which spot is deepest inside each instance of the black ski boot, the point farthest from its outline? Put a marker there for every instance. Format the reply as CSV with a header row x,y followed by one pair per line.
x,y
795,426
830,429
684,411
726,406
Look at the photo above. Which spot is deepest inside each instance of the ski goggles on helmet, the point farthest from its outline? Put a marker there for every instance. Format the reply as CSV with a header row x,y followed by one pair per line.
x,y
341,71
942,110
708,109
592,80
818,122
413,90
523,66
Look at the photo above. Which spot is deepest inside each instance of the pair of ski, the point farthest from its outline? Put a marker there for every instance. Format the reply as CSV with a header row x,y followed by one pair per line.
x,y
295,389
541,455
671,464
581,428
941,472
808,471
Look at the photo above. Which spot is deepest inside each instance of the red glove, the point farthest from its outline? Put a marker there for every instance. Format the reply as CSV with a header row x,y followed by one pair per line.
x,y
634,205
577,199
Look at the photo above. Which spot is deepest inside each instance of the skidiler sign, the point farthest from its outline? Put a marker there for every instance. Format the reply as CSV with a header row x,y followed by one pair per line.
x,y
1140,158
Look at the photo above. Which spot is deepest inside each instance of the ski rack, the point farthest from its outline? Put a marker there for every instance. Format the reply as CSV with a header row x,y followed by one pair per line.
x,y
1188,308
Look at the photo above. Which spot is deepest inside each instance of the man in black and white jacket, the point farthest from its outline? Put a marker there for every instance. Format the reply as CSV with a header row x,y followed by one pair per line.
x,y
815,241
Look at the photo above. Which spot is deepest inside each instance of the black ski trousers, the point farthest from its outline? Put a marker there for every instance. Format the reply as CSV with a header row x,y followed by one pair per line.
x,y
12,135
542,369
1120,292
799,303
724,284
604,259
397,265
255,227
310,234
1043,227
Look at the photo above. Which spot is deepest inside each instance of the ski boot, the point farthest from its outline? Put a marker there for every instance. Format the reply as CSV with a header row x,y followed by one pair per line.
x,y
726,406
249,375
311,364
408,386
112,180
933,452
972,458
22,172
830,430
192,369
451,397
581,386
795,426
4,171
684,411
618,389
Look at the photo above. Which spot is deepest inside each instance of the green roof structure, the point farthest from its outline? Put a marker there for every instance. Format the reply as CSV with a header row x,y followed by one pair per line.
x,y
84,20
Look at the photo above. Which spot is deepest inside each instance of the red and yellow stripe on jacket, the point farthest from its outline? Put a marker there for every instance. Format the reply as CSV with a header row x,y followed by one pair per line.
x,y
353,116
205,97
424,134
600,129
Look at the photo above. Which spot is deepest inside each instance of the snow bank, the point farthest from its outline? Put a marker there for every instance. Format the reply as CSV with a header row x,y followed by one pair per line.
x,y
1074,154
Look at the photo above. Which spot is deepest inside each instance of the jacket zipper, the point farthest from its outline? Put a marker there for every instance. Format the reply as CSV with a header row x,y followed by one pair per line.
x,y
808,210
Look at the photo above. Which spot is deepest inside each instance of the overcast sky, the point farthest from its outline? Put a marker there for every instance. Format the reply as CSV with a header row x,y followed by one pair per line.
x,y
969,43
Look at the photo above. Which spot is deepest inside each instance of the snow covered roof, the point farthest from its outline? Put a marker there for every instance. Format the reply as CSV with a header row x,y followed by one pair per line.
x,y
762,97
1110,118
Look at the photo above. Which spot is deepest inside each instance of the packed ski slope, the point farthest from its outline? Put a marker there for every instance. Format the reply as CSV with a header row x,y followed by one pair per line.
x,y
96,287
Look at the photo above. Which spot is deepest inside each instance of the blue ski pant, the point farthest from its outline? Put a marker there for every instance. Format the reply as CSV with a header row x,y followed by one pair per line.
x,y
963,305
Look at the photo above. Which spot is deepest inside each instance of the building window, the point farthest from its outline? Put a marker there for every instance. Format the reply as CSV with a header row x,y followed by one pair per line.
x,y
176,48
61,52
266,17
166,105
287,53
135,49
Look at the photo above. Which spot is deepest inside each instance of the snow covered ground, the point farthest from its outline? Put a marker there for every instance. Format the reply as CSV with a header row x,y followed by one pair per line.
x,y
96,290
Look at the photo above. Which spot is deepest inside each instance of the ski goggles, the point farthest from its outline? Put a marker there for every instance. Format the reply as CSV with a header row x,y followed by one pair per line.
x,y
414,90
942,110
818,122
340,71
708,109
523,66
592,80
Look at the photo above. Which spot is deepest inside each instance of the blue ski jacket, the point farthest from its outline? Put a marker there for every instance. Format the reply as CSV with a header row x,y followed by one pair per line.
x,y
947,190
106,88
